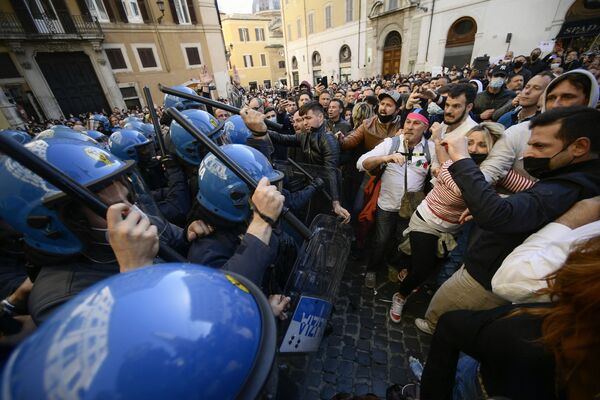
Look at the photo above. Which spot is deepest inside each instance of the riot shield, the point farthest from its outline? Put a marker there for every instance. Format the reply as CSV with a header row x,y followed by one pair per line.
x,y
314,283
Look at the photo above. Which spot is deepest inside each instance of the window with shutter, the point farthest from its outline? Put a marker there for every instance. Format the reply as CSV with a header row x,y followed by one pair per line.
x,y
183,14
193,55
116,59
97,9
263,60
147,57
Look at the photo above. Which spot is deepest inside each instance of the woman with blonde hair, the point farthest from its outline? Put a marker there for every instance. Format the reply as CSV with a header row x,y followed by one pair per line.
x,y
361,112
437,218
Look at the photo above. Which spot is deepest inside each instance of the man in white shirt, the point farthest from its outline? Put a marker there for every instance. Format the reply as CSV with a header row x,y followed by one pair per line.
x,y
526,269
388,224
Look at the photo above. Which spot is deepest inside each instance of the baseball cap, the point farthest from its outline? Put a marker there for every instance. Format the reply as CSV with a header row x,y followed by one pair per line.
x,y
391,94
500,70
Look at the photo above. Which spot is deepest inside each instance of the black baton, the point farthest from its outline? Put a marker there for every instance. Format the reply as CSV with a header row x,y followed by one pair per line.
x,y
65,183
217,104
155,122
309,176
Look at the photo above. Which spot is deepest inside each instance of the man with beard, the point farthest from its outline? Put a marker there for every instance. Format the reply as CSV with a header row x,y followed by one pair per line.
x,y
372,132
457,121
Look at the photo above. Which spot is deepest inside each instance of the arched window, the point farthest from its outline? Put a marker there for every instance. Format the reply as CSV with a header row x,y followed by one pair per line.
x,y
393,39
316,59
460,42
462,32
294,63
345,54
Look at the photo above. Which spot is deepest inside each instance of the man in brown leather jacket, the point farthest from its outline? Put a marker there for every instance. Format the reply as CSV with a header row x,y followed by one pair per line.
x,y
373,130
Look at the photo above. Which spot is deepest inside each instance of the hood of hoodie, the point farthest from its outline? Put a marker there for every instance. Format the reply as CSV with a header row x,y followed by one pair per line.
x,y
479,85
594,92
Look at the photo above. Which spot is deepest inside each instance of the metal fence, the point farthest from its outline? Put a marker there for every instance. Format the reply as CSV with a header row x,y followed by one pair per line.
x,y
45,26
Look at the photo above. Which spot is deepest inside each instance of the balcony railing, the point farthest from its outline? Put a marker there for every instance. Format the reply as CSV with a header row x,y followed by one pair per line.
x,y
43,26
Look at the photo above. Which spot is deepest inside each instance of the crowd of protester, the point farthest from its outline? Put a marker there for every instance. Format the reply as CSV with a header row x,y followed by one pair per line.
x,y
481,183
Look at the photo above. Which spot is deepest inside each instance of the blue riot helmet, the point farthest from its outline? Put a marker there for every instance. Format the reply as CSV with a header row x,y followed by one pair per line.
x,y
146,129
98,122
179,102
130,144
131,118
98,137
221,193
19,136
50,221
237,131
166,331
66,133
186,146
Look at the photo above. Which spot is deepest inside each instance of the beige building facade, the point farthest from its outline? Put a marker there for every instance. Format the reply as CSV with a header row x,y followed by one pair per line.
x,y
255,48
62,57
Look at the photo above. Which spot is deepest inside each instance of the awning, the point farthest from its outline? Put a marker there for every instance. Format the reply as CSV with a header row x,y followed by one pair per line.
x,y
586,27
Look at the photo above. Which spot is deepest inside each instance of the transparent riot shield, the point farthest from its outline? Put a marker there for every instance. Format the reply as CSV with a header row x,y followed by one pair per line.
x,y
314,283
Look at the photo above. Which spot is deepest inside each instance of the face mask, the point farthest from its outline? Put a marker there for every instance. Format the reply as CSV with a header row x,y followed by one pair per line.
x,y
538,167
384,119
534,56
478,158
433,108
518,64
555,65
497,82
273,119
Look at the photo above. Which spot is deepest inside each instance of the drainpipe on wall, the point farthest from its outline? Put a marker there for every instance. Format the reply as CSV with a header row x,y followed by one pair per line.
x,y
429,34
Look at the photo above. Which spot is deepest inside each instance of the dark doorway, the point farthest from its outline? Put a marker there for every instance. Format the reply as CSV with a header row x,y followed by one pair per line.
x,y
73,82
460,42
392,49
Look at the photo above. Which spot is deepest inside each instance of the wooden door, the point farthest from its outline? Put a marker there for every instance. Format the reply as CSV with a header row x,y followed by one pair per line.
x,y
391,61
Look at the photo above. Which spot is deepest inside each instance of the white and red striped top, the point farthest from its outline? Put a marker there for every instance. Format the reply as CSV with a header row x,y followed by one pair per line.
x,y
445,199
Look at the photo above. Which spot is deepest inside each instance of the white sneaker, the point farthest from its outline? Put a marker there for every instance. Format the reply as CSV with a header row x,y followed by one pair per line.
x,y
396,308
423,326
371,280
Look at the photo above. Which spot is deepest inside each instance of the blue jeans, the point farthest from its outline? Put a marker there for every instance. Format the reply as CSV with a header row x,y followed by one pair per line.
x,y
456,256
466,383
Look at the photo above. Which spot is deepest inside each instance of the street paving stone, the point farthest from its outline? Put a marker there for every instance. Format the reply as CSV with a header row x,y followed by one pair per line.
x,y
364,352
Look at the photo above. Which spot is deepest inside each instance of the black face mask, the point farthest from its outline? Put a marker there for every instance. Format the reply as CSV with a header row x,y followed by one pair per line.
x,y
384,119
534,56
518,64
539,167
478,158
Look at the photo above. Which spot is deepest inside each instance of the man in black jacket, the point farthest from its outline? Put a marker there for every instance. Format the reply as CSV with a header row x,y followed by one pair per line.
x,y
563,152
319,146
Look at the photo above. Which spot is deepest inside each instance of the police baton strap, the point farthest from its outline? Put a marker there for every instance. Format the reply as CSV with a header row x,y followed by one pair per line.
x,y
235,168
69,186
155,122
213,103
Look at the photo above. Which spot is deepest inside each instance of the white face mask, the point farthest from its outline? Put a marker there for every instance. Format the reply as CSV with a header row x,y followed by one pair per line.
x,y
273,118
433,109
553,66
497,82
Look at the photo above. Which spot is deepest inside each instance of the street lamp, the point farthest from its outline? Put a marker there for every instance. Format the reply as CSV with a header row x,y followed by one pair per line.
x,y
161,8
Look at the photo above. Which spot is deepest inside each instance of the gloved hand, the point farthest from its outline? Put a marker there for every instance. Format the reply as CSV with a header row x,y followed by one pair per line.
x,y
318,183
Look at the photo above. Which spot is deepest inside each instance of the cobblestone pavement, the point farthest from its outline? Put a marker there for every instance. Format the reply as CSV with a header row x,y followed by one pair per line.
x,y
365,352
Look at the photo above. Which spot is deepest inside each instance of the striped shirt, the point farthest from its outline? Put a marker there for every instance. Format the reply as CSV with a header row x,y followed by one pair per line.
x,y
445,199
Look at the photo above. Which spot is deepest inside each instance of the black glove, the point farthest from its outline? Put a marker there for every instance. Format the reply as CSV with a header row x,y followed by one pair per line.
x,y
317,183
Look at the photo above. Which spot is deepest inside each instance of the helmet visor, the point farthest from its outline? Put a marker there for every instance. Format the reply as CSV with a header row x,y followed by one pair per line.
x,y
145,153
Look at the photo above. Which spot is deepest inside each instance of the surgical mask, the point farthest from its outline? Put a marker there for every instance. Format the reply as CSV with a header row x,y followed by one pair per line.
x,y
554,65
433,109
539,167
384,119
272,119
497,82
478,158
